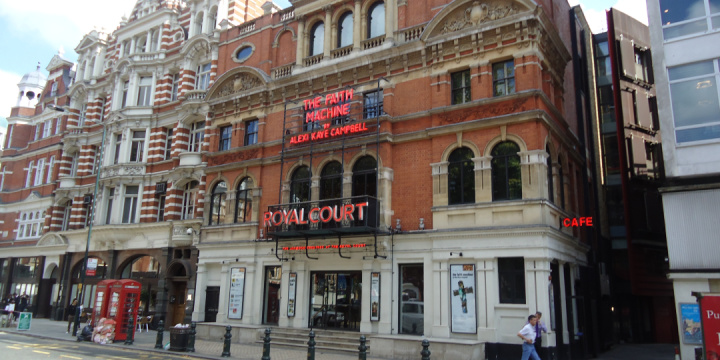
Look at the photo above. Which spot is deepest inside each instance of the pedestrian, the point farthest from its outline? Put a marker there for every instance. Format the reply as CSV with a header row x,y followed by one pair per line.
x,y
71,309
527,334
539,329
23,302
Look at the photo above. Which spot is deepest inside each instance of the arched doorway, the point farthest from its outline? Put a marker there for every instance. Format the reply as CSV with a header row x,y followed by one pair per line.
x,y
90,282
178,275
145,270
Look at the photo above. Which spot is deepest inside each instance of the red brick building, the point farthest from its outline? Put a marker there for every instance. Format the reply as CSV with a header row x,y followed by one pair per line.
x,y
390,168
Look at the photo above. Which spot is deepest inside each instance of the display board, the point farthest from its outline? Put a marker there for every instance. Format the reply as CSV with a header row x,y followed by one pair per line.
x,y
375,296
690,323
462,299
292,291
237,293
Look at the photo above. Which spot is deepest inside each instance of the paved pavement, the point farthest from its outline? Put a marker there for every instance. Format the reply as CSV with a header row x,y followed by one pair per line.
x,y
48,329
640,352
44,328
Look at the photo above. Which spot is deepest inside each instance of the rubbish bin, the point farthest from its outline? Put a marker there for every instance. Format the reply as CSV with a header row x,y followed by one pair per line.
x,y
179,338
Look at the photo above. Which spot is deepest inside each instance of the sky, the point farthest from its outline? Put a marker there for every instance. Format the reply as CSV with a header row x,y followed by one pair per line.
x,y
34,31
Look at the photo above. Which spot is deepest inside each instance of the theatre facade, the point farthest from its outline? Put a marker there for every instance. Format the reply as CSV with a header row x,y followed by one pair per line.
x,y
397,171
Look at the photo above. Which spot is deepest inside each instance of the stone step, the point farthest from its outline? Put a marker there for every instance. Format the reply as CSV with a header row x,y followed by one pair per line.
x,y
324,339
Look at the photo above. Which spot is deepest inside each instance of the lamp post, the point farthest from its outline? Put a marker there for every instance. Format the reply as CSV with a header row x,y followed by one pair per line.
x,y
91,212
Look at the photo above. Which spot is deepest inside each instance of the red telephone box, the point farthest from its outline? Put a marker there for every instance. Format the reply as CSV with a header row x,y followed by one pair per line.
x,y
100,306
123,306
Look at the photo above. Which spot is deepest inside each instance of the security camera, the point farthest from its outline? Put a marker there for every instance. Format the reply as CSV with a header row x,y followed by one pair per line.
x,y
189,231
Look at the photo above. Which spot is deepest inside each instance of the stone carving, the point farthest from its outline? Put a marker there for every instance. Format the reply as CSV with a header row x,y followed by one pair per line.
x,y
476,14
241,82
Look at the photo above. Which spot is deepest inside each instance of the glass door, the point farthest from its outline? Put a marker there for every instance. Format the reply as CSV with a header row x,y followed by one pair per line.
x,y
335,300
273,276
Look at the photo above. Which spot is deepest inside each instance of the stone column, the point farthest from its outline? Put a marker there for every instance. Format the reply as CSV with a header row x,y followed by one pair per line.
x,y
201,279
132,46
356,26
148,41
390,8
300,40
328,32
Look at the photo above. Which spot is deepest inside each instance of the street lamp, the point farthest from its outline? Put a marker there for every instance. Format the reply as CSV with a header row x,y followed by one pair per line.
x,y
91,212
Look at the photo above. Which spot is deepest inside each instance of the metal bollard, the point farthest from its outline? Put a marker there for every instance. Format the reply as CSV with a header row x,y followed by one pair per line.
x,y
311,346
362,355
425,351
130,334
159,338
226,344
266,345
191,338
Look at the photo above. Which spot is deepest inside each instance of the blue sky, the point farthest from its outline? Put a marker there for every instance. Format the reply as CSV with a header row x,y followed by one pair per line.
x,y
34,31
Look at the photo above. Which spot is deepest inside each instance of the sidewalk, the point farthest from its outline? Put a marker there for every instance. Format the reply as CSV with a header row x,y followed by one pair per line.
x,y
205,349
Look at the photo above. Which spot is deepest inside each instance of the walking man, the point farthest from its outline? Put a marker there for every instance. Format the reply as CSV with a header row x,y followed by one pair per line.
x,y
528,335
539,329
71,309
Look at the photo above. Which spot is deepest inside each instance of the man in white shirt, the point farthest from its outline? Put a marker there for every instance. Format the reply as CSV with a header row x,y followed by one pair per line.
x,y
527,334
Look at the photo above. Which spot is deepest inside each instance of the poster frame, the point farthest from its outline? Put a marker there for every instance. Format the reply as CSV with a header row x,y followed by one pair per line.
x,y
684,310
474,307
292,294
241,293
375,288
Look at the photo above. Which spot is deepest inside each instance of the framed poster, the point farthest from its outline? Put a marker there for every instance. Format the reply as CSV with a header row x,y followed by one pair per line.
x,y
690,322
237,293
292,291
462,299
375,296
92,264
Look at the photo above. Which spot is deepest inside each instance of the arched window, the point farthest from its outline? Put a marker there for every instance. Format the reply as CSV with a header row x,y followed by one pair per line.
x,y
331,181
345,30
217,204
317,38
364,181
461,177
300,185
551,189
506,180
243,201
188,202
198,23
140,268
376,20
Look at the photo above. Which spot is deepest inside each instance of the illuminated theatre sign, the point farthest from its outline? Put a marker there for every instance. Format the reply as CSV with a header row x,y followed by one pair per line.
x,y
325,214
331,106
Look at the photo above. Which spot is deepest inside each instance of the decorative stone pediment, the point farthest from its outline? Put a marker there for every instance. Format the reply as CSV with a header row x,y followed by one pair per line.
x,y
239,81
52,239
461,15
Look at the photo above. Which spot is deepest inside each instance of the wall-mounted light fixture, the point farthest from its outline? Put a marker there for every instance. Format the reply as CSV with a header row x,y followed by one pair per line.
x,y
189,297
422,224
398,227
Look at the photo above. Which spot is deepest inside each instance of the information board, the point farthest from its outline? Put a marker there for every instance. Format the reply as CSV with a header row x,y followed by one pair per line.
x,y
237,293
24,321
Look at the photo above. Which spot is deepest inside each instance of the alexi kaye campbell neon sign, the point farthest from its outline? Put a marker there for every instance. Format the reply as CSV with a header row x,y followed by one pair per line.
x,y
319,108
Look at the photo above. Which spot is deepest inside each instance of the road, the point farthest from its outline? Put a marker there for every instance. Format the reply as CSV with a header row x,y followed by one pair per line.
x,y
29,348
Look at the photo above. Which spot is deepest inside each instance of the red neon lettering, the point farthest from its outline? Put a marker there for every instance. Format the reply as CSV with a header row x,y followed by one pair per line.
x,y
266,218
327,218
277,218
577,222
349,209
292,217
360,208
301,220
314,215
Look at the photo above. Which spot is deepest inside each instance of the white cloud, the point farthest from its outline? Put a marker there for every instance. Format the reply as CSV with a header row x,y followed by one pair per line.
x,y
62,23
597,19
8,94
